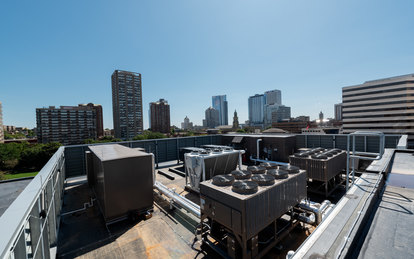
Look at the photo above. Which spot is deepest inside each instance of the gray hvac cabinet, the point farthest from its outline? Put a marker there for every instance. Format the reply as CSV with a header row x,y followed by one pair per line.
x,y
122,179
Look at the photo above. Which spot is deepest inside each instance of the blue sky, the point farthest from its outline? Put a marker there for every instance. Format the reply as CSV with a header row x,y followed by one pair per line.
x,y
64,52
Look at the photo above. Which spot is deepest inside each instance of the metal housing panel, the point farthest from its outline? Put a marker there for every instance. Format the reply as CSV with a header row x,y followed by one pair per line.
x,y
123,184
257,210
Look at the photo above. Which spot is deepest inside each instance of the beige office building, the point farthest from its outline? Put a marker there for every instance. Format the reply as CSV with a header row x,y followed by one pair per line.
x,y
385,105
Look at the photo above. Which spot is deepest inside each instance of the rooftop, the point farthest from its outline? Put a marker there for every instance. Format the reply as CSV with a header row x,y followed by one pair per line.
x,y
373,219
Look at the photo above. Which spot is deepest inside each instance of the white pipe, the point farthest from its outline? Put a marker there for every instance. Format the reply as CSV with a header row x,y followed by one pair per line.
x,y
178,199
309,220
315,208
258,148
327,211
267,161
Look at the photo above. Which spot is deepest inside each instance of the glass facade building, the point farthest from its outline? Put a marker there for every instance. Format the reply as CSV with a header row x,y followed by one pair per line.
x,y
220,104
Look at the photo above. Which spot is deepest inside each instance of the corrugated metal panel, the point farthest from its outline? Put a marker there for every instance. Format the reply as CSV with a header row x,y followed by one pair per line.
x,y
163,150
340,141
326,141
75,160
391,141
314,141
360,143
373,144
300,141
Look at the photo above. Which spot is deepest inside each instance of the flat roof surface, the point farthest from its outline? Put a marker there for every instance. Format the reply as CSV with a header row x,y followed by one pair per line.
x,y
9,190
115,151
168,234
402,172
391,232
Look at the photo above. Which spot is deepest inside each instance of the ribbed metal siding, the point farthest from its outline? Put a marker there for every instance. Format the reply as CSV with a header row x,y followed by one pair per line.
x,y
340,142
163,150
363,144
75,160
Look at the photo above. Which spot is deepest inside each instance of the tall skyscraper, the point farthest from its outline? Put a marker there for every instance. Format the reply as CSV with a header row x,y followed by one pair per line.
x,y
1,124
338,111
127,104
160,116
212,118
273,97
69,124
321,116
220,104
256,110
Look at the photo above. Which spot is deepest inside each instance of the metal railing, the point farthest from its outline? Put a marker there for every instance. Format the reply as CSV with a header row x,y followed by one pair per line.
x,y
359,154
30,226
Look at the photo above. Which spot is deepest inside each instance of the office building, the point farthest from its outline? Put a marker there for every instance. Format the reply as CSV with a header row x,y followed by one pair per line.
x,y
68,124
1,124
127,104
220,104
256,110
321,116
282,113
338,111
160,116
212,118
186,125
273,97
385,105
275,113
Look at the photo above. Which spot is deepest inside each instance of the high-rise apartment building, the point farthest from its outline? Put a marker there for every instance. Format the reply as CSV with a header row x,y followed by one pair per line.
x,y
220,104
212,118
273,97
1,124
127,104
160,116
338,111
256,109
186,125
385,105
69,124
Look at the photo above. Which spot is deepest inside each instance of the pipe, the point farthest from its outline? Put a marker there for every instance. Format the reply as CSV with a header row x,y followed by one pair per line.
x,y
327,211
178,199
258,148
267,161
324,205
315,208
307,219
240,159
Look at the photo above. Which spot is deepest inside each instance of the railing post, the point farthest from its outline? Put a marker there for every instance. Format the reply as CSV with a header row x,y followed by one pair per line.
x,y
156,152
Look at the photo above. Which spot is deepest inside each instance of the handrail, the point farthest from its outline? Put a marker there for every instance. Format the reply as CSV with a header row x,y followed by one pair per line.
x,y
17,214
360,155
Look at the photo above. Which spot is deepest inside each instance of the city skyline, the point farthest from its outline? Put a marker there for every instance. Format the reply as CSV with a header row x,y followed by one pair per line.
x,y
57,54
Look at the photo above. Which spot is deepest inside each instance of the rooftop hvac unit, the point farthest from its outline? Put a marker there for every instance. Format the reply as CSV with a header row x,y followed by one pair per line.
x,y
320,164
122,179
240,206
203,165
